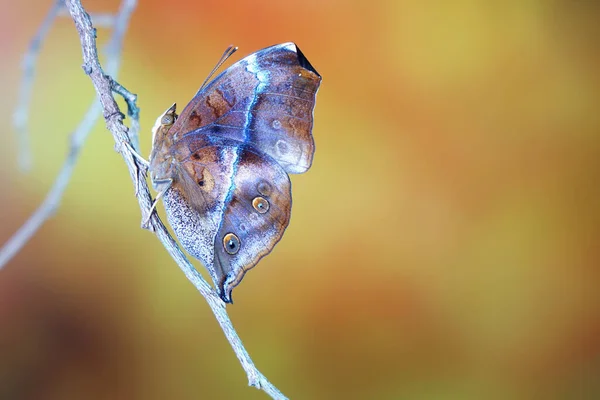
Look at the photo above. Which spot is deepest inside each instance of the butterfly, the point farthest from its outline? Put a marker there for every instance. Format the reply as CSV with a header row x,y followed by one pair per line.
x,y
222,165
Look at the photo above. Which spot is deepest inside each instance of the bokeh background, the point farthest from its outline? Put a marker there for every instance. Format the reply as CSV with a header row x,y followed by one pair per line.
x,y
444,244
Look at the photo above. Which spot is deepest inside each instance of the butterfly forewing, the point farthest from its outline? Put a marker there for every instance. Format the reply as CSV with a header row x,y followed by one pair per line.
x,y
266,100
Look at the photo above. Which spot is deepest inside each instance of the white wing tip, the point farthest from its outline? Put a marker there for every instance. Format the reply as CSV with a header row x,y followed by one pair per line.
x,y
291,46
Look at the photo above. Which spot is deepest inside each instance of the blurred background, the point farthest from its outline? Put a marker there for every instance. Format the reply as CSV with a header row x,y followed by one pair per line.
x,y
444,244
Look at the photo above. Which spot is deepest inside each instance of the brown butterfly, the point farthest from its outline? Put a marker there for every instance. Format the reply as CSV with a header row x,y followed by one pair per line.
x,y
222,166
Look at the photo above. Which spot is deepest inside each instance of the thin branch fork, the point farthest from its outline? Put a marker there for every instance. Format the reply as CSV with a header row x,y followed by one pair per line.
x,y
105,86
79,135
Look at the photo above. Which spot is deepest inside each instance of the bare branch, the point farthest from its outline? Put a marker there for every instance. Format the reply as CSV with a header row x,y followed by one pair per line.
x,y
104,86
78,137
54,196
21,114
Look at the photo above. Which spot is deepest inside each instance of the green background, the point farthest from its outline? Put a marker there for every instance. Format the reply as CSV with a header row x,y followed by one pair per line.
x,y
444,244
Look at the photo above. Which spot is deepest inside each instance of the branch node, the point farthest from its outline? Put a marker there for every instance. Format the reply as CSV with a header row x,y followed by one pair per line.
x,y
87,69
115,115
130,98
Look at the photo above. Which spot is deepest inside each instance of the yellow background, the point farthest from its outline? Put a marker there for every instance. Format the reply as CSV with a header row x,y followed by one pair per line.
x,y
444,245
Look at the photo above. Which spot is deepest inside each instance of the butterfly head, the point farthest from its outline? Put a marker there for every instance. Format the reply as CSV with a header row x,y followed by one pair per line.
x,y
163,123
161,168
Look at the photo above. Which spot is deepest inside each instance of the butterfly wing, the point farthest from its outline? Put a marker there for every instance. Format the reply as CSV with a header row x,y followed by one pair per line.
x,y
257,212
229,206
265,100
195,201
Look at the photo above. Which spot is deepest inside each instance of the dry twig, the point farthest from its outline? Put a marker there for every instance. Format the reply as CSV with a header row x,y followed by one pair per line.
x,y
78,137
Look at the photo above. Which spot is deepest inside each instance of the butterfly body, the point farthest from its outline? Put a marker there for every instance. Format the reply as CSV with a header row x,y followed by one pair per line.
x,y
222,165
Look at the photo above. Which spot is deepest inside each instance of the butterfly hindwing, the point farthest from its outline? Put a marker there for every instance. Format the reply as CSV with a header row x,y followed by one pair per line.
x,y
257,211
195,201
225,187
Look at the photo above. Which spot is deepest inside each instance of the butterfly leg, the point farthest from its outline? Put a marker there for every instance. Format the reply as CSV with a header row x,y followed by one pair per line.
x,y
137,156
162,182
141,160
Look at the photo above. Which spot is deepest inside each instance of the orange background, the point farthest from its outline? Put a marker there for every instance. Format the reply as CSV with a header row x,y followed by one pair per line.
x,y
443,245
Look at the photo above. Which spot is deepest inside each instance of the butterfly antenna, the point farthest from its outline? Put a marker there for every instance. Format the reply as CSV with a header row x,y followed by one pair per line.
x,y
228,53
